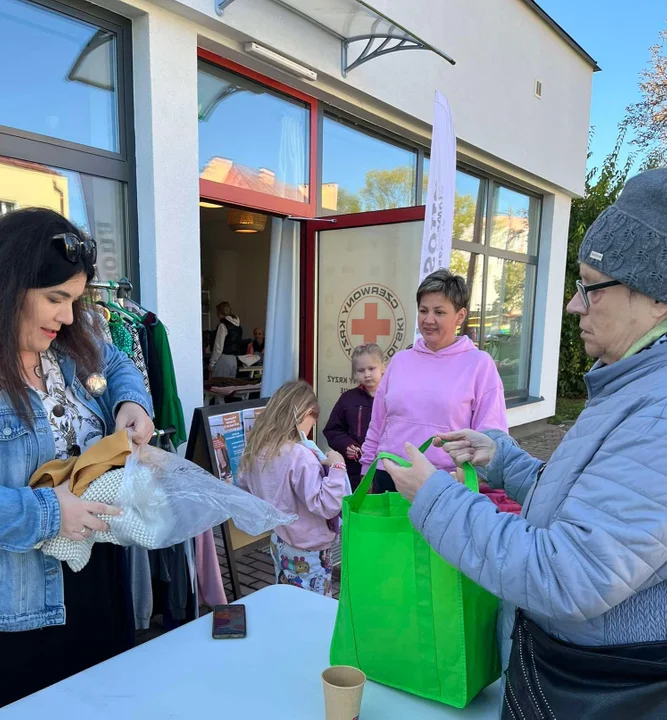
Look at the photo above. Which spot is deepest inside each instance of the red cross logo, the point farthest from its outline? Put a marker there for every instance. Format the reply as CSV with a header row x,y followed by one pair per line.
x,y
370,326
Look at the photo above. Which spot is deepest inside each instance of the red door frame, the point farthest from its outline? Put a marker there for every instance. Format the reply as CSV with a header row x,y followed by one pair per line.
x,y
309,233
229,194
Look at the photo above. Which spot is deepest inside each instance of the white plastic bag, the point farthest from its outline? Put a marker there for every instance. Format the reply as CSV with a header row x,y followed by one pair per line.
x,y
177,500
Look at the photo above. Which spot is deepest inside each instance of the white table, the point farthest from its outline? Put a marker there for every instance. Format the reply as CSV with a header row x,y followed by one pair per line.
x,y
253,371
220,392
273,674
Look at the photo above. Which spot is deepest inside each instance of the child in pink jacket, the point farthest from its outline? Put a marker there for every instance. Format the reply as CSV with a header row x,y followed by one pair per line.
x,y
279,469
443,383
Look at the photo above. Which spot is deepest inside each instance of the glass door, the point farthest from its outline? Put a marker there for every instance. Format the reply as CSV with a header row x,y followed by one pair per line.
x,y
362,272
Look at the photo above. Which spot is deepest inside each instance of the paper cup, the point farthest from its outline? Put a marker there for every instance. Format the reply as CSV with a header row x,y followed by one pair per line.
x,y
343,687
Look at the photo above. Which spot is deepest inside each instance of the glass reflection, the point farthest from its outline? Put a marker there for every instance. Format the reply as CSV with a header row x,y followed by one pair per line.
x,y
361,172
509,302
94,204
63,79
515,221
251,137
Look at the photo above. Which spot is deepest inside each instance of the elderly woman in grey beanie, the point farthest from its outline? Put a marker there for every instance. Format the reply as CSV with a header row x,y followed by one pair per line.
x,y
583,571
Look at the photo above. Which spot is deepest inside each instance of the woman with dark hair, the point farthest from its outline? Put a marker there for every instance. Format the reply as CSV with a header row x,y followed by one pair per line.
x,y
61,390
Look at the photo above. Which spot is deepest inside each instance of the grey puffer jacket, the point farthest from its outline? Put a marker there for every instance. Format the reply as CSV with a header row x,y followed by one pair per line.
x,y
587,560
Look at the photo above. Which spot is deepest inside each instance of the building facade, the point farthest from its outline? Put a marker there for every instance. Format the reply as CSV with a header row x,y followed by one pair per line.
x,y
274,154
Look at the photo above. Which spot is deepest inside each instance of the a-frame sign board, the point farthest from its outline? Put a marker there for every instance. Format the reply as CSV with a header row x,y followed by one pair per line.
x,y
200,450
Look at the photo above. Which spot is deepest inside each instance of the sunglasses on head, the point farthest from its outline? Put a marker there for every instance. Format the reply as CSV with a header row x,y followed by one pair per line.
x,y
76,247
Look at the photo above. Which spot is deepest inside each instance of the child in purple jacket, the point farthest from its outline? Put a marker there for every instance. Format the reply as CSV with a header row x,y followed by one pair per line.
x,y
277,467
349,420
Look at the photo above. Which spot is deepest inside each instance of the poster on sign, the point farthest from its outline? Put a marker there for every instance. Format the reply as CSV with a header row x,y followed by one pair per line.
x,y
249,418
228,436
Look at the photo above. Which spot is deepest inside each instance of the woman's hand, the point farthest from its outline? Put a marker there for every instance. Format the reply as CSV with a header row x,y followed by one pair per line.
x,y
77,517
408,481
333,458
467,446
353,452
134,418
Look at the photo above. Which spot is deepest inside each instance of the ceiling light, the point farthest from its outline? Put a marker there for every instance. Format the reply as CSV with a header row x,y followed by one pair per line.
x,y
205,204
284,63
244,221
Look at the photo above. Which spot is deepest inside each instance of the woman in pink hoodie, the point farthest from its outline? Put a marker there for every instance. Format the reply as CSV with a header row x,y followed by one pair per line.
x,y
278,468
443,383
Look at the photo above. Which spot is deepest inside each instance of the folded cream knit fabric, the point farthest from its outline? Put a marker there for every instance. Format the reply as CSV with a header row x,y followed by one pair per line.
x,y
76,553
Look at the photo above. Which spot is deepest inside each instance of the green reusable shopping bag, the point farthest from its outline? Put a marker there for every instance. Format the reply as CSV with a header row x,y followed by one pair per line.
x,y
406,617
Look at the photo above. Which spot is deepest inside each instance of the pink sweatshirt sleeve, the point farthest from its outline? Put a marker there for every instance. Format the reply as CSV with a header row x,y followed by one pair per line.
x,y
323,496
369,449
489,411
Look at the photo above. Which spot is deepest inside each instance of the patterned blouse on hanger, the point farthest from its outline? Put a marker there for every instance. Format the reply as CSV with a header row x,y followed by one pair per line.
x,y
75,428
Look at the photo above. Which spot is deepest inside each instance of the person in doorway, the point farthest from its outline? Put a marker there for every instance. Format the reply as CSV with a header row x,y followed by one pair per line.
x,y
54,622
583,572
227,345
351,415
277,467
256,345
444,382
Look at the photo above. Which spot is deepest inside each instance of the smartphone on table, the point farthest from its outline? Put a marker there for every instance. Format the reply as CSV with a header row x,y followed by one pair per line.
x,y
229,622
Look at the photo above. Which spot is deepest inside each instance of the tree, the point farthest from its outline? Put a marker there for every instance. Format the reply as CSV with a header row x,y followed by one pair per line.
x,y
465,210
387,189
510,287
348,202
648,117
603,186
459,262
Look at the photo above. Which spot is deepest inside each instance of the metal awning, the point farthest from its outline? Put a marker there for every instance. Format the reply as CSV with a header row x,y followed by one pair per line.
x,y
354,22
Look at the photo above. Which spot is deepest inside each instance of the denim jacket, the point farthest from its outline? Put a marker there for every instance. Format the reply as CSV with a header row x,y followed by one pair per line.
x,y
31,583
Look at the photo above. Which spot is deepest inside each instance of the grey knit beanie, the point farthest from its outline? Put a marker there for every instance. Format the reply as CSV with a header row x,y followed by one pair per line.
x,y
628,241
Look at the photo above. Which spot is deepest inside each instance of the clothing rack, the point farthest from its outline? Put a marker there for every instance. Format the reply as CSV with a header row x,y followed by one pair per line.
x,y
164,581
122,287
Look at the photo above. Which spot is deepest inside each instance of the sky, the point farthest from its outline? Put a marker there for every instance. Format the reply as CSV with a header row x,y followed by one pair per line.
x,y
618,34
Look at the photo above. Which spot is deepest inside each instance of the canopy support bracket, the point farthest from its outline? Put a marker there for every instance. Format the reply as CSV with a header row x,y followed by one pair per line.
x,y
222,5
389,42
370,53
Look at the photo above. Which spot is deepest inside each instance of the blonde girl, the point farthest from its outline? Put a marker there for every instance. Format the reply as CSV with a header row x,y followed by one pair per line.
x,y
349,420
278,468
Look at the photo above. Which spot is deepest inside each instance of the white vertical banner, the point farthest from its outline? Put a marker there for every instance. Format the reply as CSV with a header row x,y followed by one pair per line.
x,y
439,218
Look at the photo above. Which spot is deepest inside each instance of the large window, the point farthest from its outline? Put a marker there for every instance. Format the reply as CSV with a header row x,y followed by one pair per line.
x,y
363,172
495,242
254,141
65,121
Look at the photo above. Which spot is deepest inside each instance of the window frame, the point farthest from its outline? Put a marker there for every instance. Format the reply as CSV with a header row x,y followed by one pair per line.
x,y
120,166
485,250
222,193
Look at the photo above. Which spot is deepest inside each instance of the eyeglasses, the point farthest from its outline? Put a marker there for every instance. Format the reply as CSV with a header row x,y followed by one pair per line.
x,y
583,290
76,247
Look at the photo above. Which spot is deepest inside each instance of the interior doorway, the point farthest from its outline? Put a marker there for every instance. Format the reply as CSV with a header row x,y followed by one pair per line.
x,y
235,258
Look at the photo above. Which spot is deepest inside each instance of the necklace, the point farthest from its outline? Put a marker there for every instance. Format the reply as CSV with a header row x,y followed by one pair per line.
x,y
38,368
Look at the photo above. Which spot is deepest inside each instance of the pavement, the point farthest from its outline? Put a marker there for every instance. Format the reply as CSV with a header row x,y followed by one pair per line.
x,y
255,567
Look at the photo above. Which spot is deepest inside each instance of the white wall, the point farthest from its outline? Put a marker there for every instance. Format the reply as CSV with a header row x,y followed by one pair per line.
x,y
165,96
